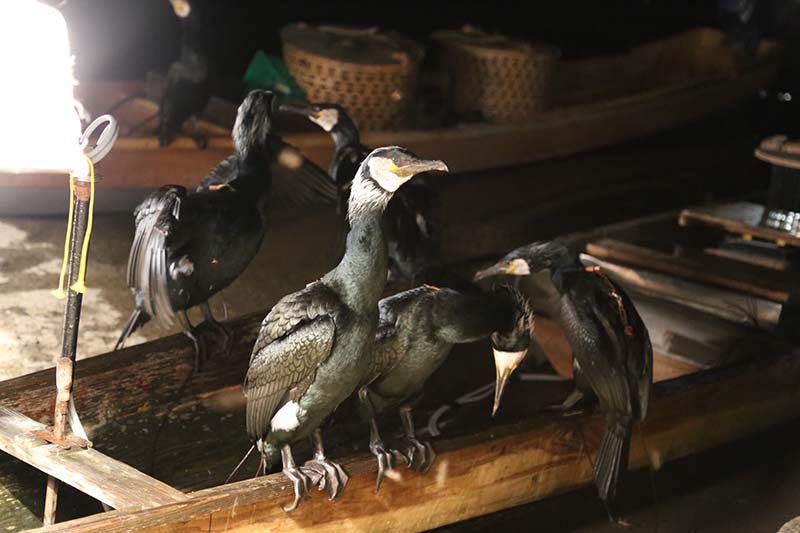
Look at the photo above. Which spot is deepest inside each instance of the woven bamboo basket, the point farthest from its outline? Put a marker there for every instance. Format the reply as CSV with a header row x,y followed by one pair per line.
x,y
372,74
503,79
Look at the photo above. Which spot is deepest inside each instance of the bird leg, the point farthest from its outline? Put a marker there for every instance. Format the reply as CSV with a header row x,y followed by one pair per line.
x,y
384,456
327,473
200,349
200,139
566,406
419,454
223,329
300,480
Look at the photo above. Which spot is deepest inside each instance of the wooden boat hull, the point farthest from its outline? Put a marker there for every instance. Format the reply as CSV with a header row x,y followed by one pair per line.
x,y
603,101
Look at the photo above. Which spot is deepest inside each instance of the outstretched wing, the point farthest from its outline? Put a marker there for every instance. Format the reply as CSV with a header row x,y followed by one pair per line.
x,y
147,264
296,181
296,337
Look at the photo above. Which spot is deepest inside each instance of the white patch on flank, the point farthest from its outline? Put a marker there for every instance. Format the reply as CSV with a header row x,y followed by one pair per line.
x,y
286,419
326,119
183,266
508,360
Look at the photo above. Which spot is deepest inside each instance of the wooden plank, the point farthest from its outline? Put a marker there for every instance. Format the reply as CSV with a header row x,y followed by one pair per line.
x,y
718,271
735,307
106,479
493,470
742,218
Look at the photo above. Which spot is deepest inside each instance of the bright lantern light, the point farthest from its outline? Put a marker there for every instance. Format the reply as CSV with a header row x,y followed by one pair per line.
x,y
39,126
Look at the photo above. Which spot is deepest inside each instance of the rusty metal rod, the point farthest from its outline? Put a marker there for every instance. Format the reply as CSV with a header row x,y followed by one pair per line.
x,y
69,344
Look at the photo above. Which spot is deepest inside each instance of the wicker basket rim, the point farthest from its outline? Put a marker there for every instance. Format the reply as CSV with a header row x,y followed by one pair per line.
x,y
409,69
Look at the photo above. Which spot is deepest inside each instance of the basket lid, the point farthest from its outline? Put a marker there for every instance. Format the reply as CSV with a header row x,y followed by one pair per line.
x,y
369,46
472,36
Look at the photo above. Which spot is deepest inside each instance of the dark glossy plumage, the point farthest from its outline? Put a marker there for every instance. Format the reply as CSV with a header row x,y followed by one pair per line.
x,y
412,217
613,357
314,345
188,247
416,332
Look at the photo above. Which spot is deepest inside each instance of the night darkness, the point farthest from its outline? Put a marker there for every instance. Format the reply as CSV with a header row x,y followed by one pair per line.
x,y
122,39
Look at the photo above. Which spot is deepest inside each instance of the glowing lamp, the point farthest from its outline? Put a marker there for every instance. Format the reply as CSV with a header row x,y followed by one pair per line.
x,y
39,126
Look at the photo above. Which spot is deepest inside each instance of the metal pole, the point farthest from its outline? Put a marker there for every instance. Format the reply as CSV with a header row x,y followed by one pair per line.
x,y
72,317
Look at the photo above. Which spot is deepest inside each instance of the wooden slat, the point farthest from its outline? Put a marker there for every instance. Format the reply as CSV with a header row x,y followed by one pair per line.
x,y
719,271
493,470
106,479
742,218
738,308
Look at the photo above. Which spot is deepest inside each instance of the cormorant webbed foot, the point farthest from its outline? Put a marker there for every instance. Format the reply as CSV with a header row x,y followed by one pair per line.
x,y
301,481
384,456
200,348
419,454
327,473
223,329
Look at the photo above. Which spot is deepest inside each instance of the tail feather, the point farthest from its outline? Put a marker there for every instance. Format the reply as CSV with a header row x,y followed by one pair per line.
x,y
611,462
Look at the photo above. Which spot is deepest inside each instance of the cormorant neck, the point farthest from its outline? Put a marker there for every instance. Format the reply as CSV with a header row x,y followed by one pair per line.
x,y
191,47
361,274
345,134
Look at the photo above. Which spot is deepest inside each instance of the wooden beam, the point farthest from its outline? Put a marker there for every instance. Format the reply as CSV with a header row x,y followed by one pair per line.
x,y
496,469
741,218
719,271
735,307
106,479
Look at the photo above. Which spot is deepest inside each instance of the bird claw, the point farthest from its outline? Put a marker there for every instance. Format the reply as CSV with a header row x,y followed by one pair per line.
x,y
386,461
418,454
301,482
327,474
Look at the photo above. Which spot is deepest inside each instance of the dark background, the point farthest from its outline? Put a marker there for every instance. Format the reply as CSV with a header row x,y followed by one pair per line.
x,y
122,39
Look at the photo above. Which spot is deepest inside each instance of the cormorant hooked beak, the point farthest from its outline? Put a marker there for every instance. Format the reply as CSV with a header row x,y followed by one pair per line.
x,y
182,8
397,167
505,363
513,267
326,116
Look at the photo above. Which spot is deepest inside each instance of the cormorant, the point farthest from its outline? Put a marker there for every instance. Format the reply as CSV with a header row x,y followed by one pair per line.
x,y
411,219
187,247
612,355
186,91
315,344
416,333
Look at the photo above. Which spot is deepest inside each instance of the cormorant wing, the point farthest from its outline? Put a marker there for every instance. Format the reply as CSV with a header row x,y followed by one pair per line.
x,y
295,338
296,181
222,174
147,264
640,355
598,345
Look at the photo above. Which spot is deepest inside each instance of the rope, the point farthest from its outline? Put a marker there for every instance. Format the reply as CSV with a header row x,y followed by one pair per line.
x,y
80,284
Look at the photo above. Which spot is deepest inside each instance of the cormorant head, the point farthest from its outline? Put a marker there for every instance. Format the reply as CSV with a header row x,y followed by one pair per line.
x,y
253,121
325,115
528,259
182,8
510,347
383,172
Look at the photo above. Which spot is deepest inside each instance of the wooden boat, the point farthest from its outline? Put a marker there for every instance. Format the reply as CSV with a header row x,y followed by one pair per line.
x,y
598,102
718,380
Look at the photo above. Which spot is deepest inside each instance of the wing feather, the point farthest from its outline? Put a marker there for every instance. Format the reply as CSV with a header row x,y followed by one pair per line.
x,y
296,337
147,264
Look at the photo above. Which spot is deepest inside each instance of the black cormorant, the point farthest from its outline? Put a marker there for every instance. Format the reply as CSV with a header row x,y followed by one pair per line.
x,y
612,355
187,247
411,219
315,344
186,90
416,333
